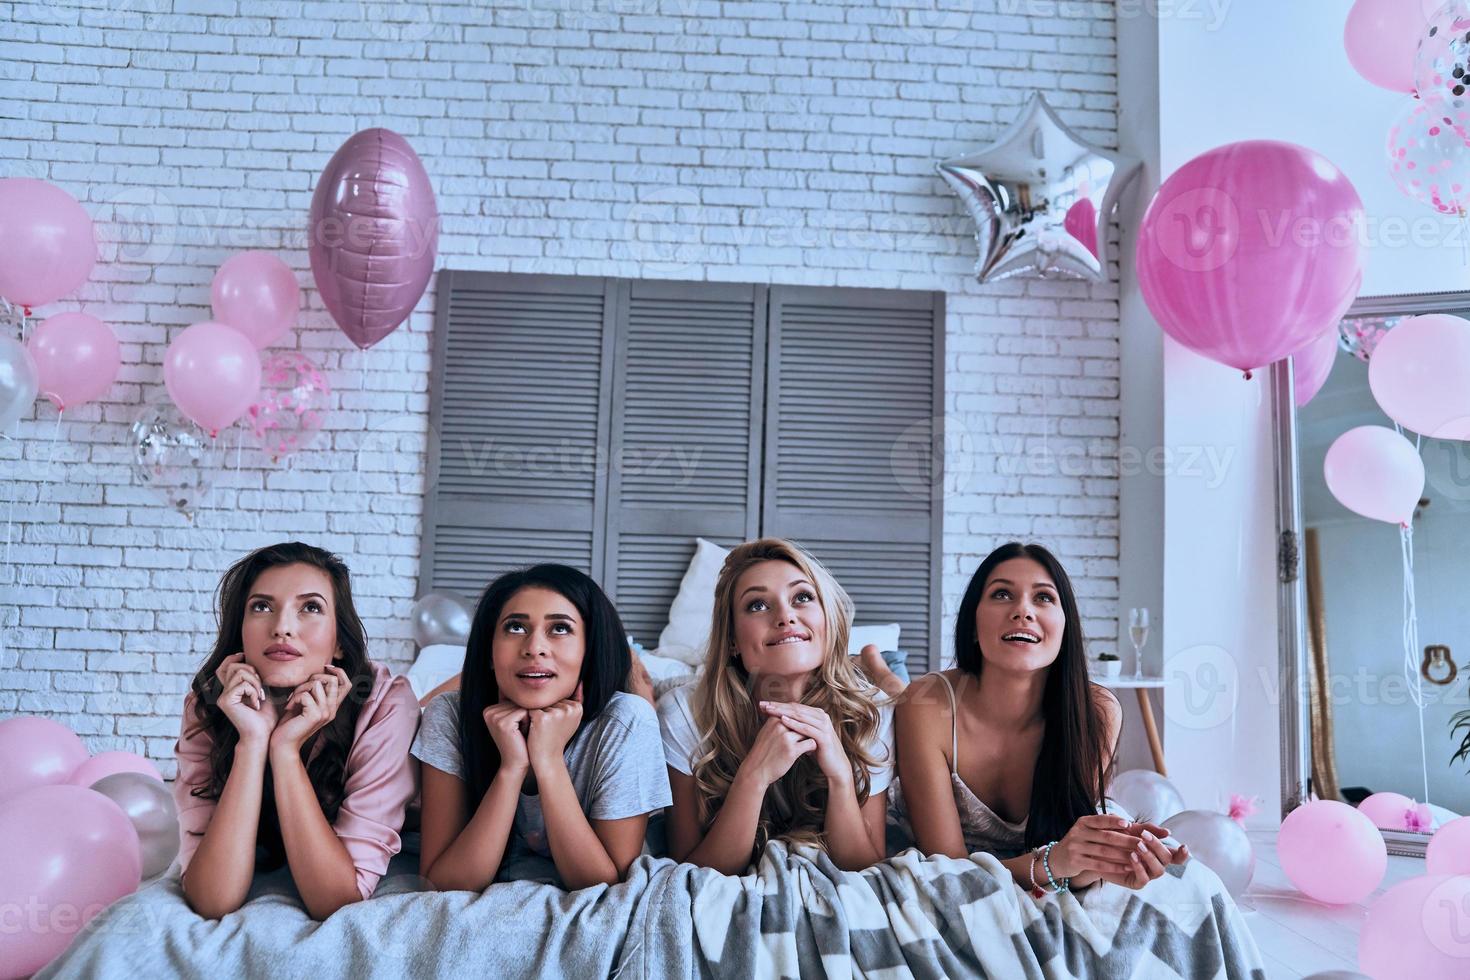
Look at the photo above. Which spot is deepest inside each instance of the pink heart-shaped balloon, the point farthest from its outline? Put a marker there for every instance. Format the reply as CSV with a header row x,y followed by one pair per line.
x,y
374,231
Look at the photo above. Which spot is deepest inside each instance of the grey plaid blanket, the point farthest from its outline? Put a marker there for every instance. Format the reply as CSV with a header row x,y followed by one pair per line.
x,y
797,915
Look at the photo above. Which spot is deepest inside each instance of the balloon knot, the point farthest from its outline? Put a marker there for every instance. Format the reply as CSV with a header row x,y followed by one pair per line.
x,y
1249,375
27,310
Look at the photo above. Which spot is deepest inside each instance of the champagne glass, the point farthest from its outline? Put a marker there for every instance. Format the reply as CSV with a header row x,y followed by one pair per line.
x,y
1138,633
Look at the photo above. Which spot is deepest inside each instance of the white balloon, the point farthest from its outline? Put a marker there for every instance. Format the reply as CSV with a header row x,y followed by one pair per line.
x,y
441,617
1220,843
19,382
1146,795
150,807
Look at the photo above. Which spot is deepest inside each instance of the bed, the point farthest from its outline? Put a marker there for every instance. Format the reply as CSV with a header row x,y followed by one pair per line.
x,y
796,915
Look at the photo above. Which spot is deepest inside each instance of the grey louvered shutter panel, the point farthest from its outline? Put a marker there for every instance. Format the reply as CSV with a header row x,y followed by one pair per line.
x,y
686,436
520,403
855,391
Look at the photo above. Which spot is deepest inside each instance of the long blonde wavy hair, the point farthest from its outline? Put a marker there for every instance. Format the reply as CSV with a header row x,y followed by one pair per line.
x,y
727,718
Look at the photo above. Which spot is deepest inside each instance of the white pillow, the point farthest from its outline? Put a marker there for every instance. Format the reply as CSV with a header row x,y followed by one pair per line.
x,y
435,665
685,637
885,637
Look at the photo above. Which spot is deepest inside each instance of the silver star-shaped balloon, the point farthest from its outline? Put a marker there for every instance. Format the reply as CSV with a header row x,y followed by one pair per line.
x,y
1041,198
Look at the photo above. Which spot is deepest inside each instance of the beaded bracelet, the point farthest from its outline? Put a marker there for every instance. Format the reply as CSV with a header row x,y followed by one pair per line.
x,y
1035,888
1046,866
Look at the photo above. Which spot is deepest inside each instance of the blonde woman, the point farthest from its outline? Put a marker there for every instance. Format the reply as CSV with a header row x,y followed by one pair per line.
x,y
781,737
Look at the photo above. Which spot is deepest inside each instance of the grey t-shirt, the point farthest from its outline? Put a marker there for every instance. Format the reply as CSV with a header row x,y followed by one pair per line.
x,y
616,763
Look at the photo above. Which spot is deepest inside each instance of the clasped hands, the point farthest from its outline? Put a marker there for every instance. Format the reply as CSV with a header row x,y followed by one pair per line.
x,y
530,738
310,707
1105,847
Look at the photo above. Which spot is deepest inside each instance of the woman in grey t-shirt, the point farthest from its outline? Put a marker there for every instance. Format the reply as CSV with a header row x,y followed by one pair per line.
x,y
540,766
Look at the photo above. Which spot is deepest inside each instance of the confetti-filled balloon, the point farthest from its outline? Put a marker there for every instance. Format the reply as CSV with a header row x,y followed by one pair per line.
x,y
1429,153
1442,65
173,455
292,404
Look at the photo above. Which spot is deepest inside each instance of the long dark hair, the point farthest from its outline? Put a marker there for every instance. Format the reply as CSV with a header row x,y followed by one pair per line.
x,y
328,769
605,664
1069,780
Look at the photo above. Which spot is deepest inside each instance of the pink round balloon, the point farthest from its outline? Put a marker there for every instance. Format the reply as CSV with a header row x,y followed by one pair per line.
x,y
35,752
77,358
1332,852
1312,364
1420,375
374,231
1387,810
47,243
1251,251
256,293
212,373
1382,38
70,853
1449,849
1375,472
109,763
1418,930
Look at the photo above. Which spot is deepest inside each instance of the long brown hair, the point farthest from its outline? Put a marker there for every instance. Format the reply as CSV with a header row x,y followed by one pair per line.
x,y
1069,780
727,720
327,769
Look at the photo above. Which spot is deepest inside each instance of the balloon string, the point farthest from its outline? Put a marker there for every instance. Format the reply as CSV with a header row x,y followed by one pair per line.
x,y
362,439
51,454
10,505
1411,646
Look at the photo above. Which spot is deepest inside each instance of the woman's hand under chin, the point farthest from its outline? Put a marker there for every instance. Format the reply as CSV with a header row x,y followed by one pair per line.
x,y
310,708
245,702
815,724
552,728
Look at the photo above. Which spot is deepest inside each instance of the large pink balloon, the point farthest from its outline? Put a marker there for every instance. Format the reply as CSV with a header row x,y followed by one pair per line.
x,y
35,752
77,358
1375,472
69,853
1251,251
374,231
109,763
1387,810
47,243
256,293
1417,930
1332,852
1382,38
212,373
1420,375
1312,364
1449,849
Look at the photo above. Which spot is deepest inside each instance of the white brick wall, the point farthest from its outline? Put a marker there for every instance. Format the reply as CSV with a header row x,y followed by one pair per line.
x,y
768,142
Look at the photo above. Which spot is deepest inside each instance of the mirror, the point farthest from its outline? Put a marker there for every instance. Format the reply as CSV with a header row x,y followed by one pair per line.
x,y
1353,726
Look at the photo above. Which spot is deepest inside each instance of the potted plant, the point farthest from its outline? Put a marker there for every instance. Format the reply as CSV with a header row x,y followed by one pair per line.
x,y
1108,665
